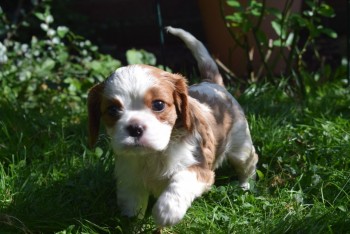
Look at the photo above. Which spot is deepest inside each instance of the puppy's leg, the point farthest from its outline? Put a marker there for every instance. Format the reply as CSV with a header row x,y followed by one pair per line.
x,y
132,200
132,197
242,154
183,188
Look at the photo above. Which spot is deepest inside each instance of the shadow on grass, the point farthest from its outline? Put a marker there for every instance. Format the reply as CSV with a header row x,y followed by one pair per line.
x,y
43,206
51,181
332,221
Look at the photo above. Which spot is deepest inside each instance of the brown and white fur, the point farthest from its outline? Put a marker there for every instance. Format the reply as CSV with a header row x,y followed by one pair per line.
x,y
169,138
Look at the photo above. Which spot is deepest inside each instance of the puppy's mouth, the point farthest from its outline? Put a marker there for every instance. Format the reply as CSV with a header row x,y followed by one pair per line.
x,y
135,142
140,144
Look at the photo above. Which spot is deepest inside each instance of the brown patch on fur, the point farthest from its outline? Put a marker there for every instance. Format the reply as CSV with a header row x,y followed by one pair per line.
x,y
181,101
180,94
163,93
94,112
107,119
225,111
203,175
208,142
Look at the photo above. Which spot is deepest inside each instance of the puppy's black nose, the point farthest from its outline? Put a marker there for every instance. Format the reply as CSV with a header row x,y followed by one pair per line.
x,y
135,130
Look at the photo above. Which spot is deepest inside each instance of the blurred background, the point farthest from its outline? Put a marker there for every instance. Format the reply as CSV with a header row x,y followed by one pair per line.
x,y
118,25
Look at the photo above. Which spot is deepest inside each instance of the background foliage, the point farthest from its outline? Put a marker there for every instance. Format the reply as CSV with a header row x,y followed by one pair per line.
x,y
53,68
297,34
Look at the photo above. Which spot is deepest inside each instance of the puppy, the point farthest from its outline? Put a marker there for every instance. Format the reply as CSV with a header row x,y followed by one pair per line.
x,y
169,138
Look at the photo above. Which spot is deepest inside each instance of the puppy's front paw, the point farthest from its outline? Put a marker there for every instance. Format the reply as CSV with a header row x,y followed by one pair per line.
x,y
245,186
169,210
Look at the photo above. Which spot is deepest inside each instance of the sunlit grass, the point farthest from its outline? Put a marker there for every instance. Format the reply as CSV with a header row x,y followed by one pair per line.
x,y
50,182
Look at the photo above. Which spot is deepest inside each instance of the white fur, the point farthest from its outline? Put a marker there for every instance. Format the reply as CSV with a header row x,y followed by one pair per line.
x,y
150,137
128,86
178,196
141,172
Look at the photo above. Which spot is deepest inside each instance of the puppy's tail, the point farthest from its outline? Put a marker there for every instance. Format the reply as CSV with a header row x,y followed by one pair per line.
x,y
207,66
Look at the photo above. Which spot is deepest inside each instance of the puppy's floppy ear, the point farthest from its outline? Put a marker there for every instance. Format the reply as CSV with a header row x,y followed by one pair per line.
x,y
181,100
94,112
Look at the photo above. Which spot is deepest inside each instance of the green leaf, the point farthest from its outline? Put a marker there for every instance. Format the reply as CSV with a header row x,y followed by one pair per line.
x,y
40,16
74,84
342,208
256,8
256,12
298,20
246,26
325,10
289,40
48,65
277,27
95,65
261,36
311,4
233,3
308,13
237,17
275,12
98,152
62,31
134,56
314,31
261,175
277,43
329,32
62,56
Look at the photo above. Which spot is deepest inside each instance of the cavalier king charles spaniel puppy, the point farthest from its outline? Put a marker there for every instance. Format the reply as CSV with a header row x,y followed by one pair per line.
x,y
168,138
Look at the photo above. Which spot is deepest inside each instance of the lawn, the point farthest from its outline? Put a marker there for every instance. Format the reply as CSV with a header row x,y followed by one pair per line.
x,y
50,182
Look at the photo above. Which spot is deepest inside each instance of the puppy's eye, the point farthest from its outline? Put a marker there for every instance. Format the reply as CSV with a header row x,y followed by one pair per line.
x,y
113,111
158,106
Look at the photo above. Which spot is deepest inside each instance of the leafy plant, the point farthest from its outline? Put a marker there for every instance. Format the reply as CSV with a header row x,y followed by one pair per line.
x,y
55,69
245,27
134,56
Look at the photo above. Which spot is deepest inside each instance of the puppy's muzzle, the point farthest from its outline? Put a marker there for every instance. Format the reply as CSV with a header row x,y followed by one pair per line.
x,y
135,130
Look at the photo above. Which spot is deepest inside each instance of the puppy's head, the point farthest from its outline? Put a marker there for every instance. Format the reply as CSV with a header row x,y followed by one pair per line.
x,y
139,106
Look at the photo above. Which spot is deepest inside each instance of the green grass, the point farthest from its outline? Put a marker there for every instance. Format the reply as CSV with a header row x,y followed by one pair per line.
x,y
50,182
